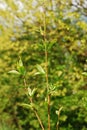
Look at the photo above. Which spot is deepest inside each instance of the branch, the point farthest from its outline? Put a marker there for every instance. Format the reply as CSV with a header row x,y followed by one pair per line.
x,y
34,110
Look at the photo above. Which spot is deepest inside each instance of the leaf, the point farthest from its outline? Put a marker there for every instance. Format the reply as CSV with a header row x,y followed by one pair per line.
x,y
63,118
21,68
20,63
56,112
59,111
37,73
27,105
31,92
50,45
84,73
41,31
40,69
14,72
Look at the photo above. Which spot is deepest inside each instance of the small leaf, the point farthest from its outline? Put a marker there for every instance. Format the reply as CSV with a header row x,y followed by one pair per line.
x,y
50,45
63,118
59,111
56,112
27,105
41,31
40,69
14,72
37,73
20,63
21,68
31,92
84,73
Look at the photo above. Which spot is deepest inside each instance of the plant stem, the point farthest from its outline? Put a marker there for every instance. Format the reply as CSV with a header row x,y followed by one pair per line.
x,y
34,110
36,114
59,111
47,85
39,120
46,67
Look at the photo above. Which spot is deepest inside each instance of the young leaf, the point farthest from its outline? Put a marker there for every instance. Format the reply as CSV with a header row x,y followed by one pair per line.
x,y
27,105
41,31
84,73
14,72
37,73
40,69
59,111
31,92
21,68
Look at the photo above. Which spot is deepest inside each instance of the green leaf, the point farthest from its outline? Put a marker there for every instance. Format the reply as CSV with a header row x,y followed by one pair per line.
x,y
31,92
20,63
59,111
21,68
31,105
14,72
41,31
63,118
50,45
37,73
84,73
40,69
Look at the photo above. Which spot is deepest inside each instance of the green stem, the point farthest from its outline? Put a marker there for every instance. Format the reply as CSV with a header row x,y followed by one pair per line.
x,y
59,111
34,110
46,67
47,84
36,114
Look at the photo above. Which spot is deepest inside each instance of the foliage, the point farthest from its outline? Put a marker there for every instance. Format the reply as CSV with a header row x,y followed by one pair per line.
x,y
22,35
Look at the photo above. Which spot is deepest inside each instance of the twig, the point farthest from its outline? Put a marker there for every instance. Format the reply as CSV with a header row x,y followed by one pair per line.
x,y
39,120
34,110
59,111
46,66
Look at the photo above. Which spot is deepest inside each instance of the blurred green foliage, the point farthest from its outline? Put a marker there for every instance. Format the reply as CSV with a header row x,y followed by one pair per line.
x,y
21,35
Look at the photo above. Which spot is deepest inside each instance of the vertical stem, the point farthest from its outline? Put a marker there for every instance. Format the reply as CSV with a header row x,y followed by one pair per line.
x,y
59,111
47,84
40,122
34,110
49,112
36,114
46,67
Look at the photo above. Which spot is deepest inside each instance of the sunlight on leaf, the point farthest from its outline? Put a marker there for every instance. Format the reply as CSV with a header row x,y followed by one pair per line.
x,y
40,69
14,72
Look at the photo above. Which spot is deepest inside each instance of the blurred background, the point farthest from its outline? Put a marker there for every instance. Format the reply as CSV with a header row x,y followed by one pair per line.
x,y
21,35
